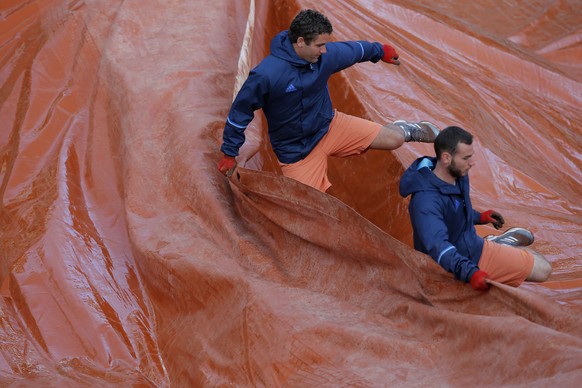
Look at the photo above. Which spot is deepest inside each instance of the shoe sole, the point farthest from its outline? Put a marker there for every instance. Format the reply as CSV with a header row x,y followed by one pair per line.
x,y
432,131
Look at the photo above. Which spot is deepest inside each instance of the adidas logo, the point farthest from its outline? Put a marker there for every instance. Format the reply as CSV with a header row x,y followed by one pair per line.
x,y
290,88
508,240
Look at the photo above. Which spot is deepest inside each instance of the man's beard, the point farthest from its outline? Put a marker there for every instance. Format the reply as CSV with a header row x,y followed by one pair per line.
x,y
454,171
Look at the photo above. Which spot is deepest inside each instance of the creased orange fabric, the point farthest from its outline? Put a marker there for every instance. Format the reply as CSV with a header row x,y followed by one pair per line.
x,y
128,260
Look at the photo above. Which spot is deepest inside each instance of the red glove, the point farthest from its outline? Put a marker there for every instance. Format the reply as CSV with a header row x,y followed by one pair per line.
x,y
491,216
226,164
390,55
478,281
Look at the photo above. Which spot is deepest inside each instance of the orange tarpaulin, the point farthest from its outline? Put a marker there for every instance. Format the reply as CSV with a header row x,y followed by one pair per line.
x,y
127,259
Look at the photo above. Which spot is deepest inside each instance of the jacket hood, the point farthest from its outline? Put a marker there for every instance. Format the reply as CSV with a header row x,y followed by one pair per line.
x,y
419,177
281,47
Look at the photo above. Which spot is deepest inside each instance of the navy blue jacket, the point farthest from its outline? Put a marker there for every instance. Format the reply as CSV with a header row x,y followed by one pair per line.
x,y
443,219
293,95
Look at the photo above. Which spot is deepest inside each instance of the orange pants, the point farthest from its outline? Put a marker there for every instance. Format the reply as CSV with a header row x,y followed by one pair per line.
x,y
347,135
506,264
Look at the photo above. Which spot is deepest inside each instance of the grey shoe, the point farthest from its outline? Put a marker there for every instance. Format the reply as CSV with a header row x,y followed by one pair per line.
x,y
423,131
515,237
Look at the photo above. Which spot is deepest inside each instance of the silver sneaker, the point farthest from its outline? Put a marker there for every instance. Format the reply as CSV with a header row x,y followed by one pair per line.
x,y
423,131
515,237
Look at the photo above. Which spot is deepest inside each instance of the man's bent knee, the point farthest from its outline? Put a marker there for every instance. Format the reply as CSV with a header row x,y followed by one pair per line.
x,y
541,269
390,137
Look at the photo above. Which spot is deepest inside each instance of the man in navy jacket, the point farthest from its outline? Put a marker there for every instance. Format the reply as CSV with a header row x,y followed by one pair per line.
x,y
290,86
443,219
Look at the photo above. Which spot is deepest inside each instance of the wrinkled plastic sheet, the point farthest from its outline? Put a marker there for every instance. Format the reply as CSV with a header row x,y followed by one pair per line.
x,y
127,259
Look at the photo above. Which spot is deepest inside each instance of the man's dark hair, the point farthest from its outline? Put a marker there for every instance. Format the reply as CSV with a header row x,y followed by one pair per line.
x,y
309,24
448,139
